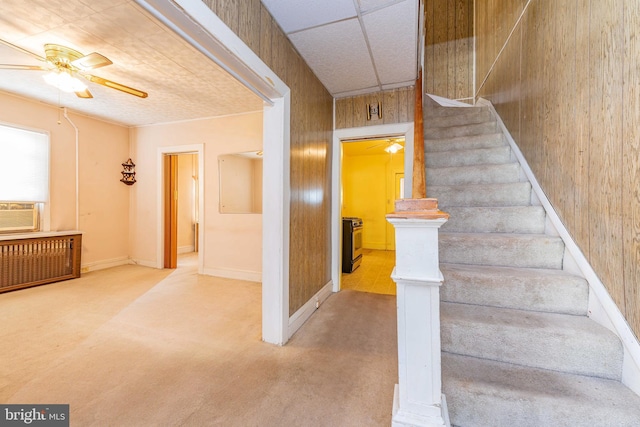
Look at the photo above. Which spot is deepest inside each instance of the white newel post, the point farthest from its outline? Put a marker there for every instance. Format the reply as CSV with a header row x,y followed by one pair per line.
x,y
418,398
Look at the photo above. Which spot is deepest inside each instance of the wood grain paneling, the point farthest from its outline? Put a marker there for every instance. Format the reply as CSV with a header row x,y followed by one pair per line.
x,y
405,107
429,49
578,120
533,80
631,165
448,67
583,118
508,99
390,107
605,163
311,128
397,107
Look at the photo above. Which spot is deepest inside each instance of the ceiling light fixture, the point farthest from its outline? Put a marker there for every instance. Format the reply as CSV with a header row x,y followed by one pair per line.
x,y
63,80
394,148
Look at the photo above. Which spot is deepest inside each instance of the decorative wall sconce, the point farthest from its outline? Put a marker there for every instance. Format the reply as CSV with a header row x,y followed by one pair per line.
x,y
128,172
374,110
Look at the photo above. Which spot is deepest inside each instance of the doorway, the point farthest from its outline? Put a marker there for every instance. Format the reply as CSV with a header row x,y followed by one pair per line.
x,y
368,133
181,202
372,169
195,22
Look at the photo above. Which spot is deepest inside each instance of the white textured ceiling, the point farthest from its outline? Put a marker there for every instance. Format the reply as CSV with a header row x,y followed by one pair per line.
x,y
182,83
353,46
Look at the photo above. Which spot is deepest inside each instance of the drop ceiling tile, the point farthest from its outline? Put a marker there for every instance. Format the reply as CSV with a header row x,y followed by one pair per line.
x,y
368,5
392,34
338,55
294,15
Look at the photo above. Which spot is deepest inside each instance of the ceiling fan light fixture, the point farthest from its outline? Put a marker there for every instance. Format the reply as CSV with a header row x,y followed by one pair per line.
x,y
64,81
394,148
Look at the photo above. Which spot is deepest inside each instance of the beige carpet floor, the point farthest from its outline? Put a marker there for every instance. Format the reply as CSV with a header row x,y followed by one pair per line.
x,y
133,346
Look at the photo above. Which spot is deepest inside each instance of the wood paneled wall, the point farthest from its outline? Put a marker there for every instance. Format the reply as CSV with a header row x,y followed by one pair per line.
x,y
397,107
311,139
448,54
567,86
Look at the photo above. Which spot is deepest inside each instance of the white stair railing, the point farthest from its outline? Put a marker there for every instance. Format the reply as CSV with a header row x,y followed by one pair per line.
x,y
418,398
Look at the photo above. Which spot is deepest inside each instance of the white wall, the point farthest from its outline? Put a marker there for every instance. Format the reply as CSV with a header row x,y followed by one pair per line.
x,y
232,243
103,199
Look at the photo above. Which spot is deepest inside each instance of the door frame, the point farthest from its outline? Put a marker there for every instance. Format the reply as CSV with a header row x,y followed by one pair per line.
x,y
170,180
206,32
197,149
344,135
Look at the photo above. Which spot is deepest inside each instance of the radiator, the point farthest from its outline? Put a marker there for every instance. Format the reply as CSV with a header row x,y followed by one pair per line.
x,y
34,261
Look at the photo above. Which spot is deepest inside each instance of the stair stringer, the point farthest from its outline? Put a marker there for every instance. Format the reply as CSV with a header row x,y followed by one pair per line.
x,y
602,308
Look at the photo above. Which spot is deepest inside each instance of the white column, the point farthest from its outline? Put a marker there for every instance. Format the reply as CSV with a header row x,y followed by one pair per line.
x,y
418,398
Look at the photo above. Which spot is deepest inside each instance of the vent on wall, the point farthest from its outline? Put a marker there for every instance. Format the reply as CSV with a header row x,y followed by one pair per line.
x,y
26,262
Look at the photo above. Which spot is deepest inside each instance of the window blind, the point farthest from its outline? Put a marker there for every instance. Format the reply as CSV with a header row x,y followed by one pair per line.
x,y
24,165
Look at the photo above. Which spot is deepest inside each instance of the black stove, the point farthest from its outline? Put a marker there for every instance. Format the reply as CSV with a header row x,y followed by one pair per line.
x,y
351,243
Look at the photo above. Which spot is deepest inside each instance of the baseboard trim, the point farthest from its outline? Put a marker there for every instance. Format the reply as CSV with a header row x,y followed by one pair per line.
x,y
602,308
227,273
304,313
403,419
186,249
107,263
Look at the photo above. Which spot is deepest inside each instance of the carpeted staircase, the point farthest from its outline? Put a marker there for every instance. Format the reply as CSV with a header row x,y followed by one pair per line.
x,y
518,347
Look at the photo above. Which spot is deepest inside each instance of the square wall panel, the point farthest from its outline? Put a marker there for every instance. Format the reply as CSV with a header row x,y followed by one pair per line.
x,y
367,5
295,15
338,55
392,36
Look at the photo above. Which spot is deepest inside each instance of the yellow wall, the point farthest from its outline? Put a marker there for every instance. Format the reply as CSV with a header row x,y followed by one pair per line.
x,y
368,192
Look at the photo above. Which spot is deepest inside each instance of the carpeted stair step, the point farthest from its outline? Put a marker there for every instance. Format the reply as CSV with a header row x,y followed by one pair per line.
x,y
533,289
489,140
462,130
558,342
478,156
506,219
475,174
482,393
440,111
510,194
505,250
470,117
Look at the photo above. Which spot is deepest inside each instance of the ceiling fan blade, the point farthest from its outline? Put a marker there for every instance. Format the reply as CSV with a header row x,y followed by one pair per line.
x,y
84,94
22,67
114,85
91,61
18,48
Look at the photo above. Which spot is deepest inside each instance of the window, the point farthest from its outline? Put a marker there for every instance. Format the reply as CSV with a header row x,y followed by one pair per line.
x,y
24,178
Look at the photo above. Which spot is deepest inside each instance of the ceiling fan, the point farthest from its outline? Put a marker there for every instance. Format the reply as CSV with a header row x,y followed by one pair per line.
x,y
64,64
393,145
